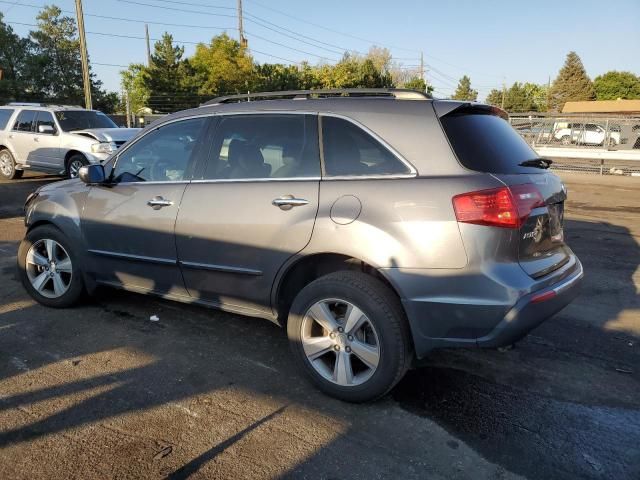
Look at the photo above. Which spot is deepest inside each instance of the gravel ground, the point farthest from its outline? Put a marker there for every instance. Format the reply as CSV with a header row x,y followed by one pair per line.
x,y
99,391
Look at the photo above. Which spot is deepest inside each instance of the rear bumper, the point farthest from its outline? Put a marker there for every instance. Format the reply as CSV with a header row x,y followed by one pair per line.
x,y
493,308
528,313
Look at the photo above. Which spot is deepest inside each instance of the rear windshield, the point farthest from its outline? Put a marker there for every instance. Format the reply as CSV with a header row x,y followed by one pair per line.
x,y
71,120
487,143
5,115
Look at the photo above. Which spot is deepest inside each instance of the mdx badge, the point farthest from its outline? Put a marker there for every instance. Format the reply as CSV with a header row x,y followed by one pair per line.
x,y
537,231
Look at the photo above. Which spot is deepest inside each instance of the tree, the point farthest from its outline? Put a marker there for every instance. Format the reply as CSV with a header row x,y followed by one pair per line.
x,y
613,85
527,97
495,97
464,90
133,83
14,57
270,77
222,67
572,83
416,83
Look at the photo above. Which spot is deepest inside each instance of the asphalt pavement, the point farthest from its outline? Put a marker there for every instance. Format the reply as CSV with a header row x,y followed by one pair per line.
x,y
100,391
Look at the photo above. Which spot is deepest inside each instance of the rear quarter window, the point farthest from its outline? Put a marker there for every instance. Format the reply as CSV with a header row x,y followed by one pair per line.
x,y
5,115
487,143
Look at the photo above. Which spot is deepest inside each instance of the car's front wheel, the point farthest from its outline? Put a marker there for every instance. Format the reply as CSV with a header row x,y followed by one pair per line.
x,y
349,333
8,166
74,164
49,267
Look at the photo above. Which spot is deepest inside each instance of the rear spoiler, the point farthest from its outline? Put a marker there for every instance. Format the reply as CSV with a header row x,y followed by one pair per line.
x,y
445,107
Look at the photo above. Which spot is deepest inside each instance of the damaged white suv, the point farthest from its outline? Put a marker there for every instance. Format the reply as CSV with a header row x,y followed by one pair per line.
x,y
55,139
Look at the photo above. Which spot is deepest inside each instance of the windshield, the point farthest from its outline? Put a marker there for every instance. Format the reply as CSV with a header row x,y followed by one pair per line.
x,y
71,120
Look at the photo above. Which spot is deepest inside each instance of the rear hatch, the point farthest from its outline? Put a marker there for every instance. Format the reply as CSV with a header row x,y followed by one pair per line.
x,y
485,142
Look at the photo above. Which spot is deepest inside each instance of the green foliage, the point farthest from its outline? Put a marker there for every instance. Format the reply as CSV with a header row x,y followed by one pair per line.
x,y
527,97
46,66
416,83
571,84
613,85
133,83
464,90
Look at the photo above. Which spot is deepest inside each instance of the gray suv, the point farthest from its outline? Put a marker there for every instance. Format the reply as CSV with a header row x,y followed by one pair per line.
x,y
374,225
55,138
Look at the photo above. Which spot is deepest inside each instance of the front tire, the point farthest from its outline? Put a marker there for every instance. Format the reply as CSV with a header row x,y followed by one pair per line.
x,y
49,267
8,166
74,164
348,333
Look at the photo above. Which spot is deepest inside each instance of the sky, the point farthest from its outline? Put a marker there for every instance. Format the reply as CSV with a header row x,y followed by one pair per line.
x,y
491,41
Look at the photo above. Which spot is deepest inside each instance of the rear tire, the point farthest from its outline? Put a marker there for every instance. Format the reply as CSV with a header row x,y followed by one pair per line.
x,y
49,267
75,162
361,347
8,166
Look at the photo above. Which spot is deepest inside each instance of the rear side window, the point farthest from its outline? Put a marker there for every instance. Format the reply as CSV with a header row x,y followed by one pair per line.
x,y
265,146
25,121
487,143
350,151
5,115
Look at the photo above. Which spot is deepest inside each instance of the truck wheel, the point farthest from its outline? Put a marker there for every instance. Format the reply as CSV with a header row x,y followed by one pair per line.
x,y
8,166
74,164
348,333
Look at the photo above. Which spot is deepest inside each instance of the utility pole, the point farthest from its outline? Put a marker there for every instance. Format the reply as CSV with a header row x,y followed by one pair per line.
x,y
422,71
146,35
86,79
243,41
128,107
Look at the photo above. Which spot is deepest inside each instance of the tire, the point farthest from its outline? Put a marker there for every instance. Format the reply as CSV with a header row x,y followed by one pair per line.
x,y
8,166
34,264
74,163
383,329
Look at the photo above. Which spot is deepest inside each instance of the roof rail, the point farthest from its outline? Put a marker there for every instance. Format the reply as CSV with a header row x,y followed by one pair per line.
x,y
397,93
38,104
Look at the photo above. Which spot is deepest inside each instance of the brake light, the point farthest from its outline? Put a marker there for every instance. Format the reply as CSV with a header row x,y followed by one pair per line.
x,y
506,207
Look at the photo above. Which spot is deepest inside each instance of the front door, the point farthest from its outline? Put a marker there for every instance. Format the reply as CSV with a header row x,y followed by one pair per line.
x,y
253,207
129,223
47,144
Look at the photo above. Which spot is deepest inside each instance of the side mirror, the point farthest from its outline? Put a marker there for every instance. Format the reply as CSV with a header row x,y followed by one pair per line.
x,y
47,129
92,174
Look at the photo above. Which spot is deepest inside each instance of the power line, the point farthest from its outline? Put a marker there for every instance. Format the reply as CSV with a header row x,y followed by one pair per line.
x,y
107,17
290,48
174,9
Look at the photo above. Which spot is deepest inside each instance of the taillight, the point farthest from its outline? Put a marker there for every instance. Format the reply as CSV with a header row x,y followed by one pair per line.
x,y
506,207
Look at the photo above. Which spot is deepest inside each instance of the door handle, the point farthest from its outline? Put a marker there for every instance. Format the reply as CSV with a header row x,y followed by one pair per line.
x,y
287,202
158,202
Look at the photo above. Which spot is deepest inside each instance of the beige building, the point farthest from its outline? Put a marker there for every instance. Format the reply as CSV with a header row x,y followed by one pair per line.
x,y
624,107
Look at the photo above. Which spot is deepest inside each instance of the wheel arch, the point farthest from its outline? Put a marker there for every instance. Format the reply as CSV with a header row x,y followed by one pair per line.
x,y
303,270
70,154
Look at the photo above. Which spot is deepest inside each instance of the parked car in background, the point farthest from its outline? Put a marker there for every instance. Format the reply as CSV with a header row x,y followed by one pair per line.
x,y
586,134
374,225
55,139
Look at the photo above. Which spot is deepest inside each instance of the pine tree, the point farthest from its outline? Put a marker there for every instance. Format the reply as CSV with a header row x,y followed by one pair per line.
x,y
572,84
464,90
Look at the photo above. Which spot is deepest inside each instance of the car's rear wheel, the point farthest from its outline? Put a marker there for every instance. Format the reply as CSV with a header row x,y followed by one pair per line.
x,y
8,166
74,164
349,333
49,267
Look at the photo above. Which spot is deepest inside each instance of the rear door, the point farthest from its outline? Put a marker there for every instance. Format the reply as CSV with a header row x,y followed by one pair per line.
x,y
484,142
253,207
21,137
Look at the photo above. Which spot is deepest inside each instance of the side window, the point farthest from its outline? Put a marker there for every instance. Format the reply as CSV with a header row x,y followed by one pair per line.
x,y
25,121
265,146
162,155
349,150
5,115
46,119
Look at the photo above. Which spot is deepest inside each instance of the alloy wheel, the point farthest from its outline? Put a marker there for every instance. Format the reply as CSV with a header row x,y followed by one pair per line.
x,y
340,342
74,168
6,165
49,268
